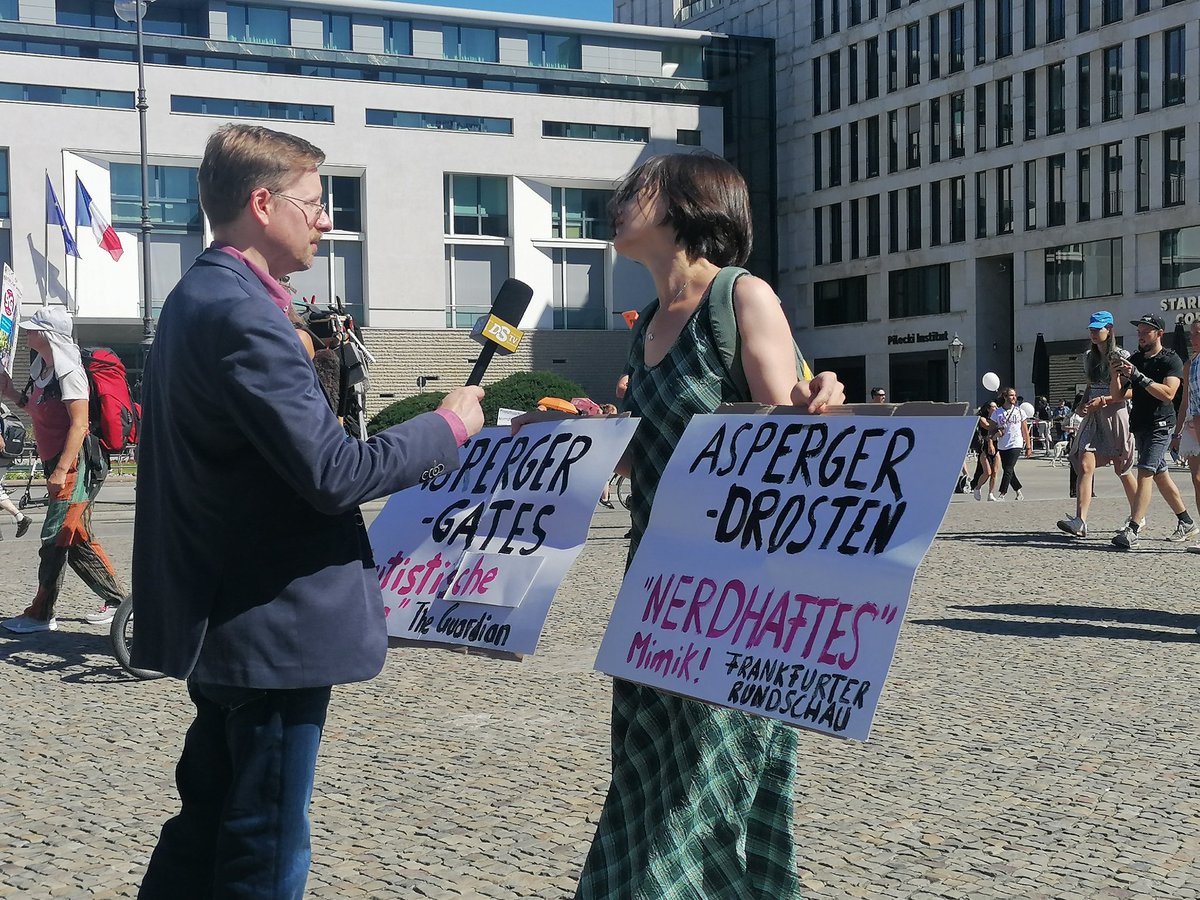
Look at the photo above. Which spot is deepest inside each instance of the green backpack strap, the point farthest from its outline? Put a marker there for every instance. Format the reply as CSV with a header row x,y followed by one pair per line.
x,y
723,324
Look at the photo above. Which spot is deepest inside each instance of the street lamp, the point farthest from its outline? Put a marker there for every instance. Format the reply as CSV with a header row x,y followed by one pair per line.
x,y
133,11
956,352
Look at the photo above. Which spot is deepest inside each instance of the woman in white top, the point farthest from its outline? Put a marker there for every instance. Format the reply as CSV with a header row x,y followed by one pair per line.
x,y
1012,439
1103,436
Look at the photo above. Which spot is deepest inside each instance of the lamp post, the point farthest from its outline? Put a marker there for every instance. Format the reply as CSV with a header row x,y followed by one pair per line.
x,y
133,11
956,352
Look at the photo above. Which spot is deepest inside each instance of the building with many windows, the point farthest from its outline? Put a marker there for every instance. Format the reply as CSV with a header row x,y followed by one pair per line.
x,y
463,148
992,169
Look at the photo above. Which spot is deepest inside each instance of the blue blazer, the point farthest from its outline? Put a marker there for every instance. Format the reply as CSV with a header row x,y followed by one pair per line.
x,y
251,565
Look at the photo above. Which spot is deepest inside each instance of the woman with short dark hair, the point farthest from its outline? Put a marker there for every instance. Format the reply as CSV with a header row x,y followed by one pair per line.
x,y
701,800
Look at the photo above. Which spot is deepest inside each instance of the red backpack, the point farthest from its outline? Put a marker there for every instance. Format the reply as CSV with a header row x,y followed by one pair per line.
x,y
112,414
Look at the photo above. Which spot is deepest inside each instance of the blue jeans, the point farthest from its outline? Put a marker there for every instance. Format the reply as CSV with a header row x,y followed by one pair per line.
x,y
245,778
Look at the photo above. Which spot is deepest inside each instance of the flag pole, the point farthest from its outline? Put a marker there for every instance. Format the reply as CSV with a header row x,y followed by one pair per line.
x,y
46,246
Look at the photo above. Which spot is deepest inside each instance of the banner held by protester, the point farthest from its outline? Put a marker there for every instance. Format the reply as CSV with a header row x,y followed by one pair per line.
x,y
473,557
776,567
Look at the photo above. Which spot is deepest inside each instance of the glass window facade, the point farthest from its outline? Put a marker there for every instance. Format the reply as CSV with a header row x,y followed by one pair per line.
x,y
840,302
9,10
251,109
555,51
477,204
67,96
258,24
1056,99
1180,258
958,209
1112,179
470,44
474,273
1083,271
397,37
579,288
956,39
335,32
1004,201
1056,190
958,139
587,132
343,198
174,197
1174,71
1143,74
5,204
1112,83
914,217
920,291
164,17
1003,28
580,213
1084,177
439,121
1083,89
1004,112
1142,164
1174,168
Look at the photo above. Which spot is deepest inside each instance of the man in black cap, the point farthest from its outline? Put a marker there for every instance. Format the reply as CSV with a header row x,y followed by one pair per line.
x,y
1154,374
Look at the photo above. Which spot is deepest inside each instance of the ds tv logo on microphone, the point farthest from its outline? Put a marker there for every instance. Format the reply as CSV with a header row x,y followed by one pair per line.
x,y
503,334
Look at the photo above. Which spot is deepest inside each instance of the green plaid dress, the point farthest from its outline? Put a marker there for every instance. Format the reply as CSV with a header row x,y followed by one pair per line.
x,y
701,802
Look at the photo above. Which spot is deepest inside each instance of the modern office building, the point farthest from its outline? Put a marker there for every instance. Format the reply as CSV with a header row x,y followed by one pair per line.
x,y
463,148
991,169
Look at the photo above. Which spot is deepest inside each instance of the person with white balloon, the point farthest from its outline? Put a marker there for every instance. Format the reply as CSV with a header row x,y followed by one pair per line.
x,y
1103,437
1012,439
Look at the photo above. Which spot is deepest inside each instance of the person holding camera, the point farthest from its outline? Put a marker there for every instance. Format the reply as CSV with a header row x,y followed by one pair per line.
x,y
1103,437
1153,374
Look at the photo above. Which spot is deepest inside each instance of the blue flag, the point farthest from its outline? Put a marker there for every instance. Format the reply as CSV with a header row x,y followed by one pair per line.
x,y
54,216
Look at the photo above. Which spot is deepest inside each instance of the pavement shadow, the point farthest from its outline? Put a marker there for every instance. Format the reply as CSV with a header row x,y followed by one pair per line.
x,y
1124,628
1121,615
1043,539
73,654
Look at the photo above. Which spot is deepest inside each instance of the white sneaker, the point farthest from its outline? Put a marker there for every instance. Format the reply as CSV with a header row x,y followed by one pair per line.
x,y
102,616
976,494
1020,496
29,625
992,497
999,498
1183,532
1074,526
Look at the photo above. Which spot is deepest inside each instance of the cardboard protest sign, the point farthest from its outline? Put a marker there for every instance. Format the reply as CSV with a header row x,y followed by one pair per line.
x,y
10,307
473,557
776,567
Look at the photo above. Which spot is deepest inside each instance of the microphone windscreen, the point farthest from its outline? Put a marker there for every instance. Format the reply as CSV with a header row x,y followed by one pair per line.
x,y
512,301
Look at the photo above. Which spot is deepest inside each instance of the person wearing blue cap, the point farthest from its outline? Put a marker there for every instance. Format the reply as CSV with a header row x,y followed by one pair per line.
x,y
1153,376
1103,437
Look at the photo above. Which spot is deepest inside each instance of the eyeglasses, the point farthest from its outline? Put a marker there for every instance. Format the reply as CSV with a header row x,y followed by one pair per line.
x,y
321,208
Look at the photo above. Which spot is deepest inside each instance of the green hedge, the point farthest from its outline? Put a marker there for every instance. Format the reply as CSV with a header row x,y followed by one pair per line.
x,y
403,410
521,390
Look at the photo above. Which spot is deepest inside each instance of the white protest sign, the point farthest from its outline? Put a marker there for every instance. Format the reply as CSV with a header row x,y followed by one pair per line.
x,y
504,415
777,564
10,307
473,557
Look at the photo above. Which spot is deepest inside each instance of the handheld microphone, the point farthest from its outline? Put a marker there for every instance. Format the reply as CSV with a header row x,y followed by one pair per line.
x,y
500,329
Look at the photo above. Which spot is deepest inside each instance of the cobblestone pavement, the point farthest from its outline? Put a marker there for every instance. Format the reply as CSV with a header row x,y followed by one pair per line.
x,y
1038,736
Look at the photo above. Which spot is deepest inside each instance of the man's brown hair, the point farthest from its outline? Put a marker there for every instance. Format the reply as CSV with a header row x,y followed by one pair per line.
x,y
240,158
706,202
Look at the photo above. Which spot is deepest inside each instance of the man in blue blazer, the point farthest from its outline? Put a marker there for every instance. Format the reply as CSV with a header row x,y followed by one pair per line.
x,y
252,574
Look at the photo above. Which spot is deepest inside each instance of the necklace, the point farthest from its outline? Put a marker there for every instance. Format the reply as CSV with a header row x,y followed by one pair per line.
x,y
678,294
